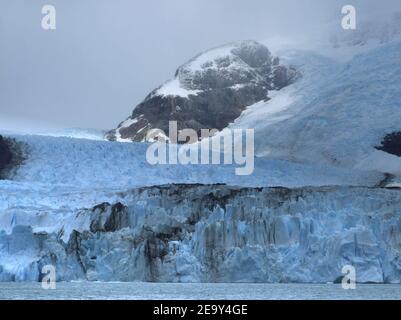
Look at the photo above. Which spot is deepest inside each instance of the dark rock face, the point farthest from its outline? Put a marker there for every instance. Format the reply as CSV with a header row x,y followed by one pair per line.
x,y
109,218
391,144
5,155
209,91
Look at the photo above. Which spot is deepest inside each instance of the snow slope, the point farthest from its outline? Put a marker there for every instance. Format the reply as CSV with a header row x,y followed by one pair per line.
x,y
174,88
336,114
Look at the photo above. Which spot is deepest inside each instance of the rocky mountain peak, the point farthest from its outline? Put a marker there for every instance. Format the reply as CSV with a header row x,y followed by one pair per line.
x,y
209,91
233,64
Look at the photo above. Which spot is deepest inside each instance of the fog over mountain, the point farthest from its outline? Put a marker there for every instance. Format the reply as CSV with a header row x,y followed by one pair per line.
x,y
106,56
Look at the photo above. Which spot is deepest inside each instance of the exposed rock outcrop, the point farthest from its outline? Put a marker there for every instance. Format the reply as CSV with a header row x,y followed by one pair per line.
x,y
5,155
209,91
391,144
13,153
109,218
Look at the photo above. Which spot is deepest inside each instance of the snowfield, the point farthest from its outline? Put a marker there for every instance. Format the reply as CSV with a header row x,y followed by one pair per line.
x,y
174,88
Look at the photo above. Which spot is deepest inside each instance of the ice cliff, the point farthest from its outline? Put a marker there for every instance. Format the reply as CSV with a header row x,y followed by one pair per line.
x,y
203,233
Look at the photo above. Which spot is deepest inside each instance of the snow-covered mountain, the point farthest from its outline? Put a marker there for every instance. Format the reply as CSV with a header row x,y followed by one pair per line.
x,y
209,91
98,211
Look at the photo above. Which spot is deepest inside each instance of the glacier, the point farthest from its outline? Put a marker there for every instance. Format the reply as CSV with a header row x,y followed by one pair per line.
x,y
317,199
217,233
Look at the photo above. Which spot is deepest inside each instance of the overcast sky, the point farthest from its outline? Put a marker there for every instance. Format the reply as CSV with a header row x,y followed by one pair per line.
x,y
106,55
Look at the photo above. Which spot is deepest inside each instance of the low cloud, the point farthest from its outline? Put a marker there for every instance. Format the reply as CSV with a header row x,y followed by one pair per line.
x,y
105,56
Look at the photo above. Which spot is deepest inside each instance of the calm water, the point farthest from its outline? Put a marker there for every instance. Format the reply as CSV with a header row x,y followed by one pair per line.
x,y
161,291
